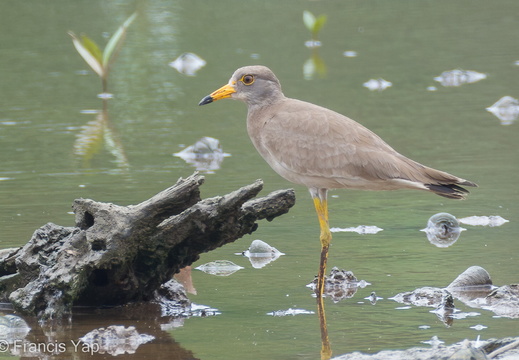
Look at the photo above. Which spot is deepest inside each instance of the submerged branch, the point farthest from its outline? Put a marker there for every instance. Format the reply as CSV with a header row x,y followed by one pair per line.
x,y
120,254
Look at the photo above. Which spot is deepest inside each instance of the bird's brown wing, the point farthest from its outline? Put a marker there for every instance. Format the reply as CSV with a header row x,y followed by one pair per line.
x,y
313,141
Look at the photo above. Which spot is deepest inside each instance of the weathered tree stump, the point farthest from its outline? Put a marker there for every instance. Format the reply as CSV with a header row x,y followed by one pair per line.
x,y
120,254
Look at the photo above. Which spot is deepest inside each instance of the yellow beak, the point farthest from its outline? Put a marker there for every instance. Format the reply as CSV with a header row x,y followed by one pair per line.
x,y
224,92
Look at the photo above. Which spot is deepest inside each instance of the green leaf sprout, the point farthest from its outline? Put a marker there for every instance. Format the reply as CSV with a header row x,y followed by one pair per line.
x,y
98,60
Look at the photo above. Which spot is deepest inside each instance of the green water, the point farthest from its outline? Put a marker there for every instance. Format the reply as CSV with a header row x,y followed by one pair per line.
x,y
46,86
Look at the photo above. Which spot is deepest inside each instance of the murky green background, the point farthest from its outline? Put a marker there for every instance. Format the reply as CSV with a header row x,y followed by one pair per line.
x,y
45,87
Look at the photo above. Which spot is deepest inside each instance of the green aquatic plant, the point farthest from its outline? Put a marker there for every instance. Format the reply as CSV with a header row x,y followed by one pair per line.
x,y
98,60
314,24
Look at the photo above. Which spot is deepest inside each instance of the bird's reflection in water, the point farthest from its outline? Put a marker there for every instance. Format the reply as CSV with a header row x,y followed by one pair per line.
x,y
339,285
326,348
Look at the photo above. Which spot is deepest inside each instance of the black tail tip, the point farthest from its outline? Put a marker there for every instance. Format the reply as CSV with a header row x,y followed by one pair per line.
x,y
451,191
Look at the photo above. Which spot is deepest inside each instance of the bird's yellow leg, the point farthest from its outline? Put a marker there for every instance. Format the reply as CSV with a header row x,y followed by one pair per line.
x,y
321,207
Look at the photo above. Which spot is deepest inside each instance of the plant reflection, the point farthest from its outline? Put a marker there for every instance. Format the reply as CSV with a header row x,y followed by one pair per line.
x,y
315,64
94,135
97,132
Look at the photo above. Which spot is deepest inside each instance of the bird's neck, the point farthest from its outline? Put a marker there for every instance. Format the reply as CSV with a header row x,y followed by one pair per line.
x,y
257,104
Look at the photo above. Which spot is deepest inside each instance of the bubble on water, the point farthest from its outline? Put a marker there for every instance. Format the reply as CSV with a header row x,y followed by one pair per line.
x,y
105,96
205,155
260,254
434,341
377,84
349,53
291,311
459,77
361,229
505,109
312,44
219,268
188,63
443,230
373,298
479,327
491,221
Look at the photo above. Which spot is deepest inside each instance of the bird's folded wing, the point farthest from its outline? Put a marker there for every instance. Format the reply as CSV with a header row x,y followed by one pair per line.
x,y
313,141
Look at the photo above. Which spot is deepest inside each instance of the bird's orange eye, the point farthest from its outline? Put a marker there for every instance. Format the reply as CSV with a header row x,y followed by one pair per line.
x,y
247,79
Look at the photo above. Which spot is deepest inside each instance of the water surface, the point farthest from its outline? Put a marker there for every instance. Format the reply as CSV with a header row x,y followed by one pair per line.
x,y
46,88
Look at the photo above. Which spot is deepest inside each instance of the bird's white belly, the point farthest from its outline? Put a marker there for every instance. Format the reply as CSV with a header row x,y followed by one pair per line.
x,y
350,182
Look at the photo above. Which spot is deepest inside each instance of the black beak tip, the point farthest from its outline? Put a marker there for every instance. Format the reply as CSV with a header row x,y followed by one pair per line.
x,y
207,100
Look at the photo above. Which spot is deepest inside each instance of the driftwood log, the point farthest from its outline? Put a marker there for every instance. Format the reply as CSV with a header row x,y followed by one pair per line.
x,y
120,254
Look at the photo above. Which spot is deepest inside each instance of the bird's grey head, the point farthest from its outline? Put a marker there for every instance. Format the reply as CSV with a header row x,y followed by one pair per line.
x,y
255,85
